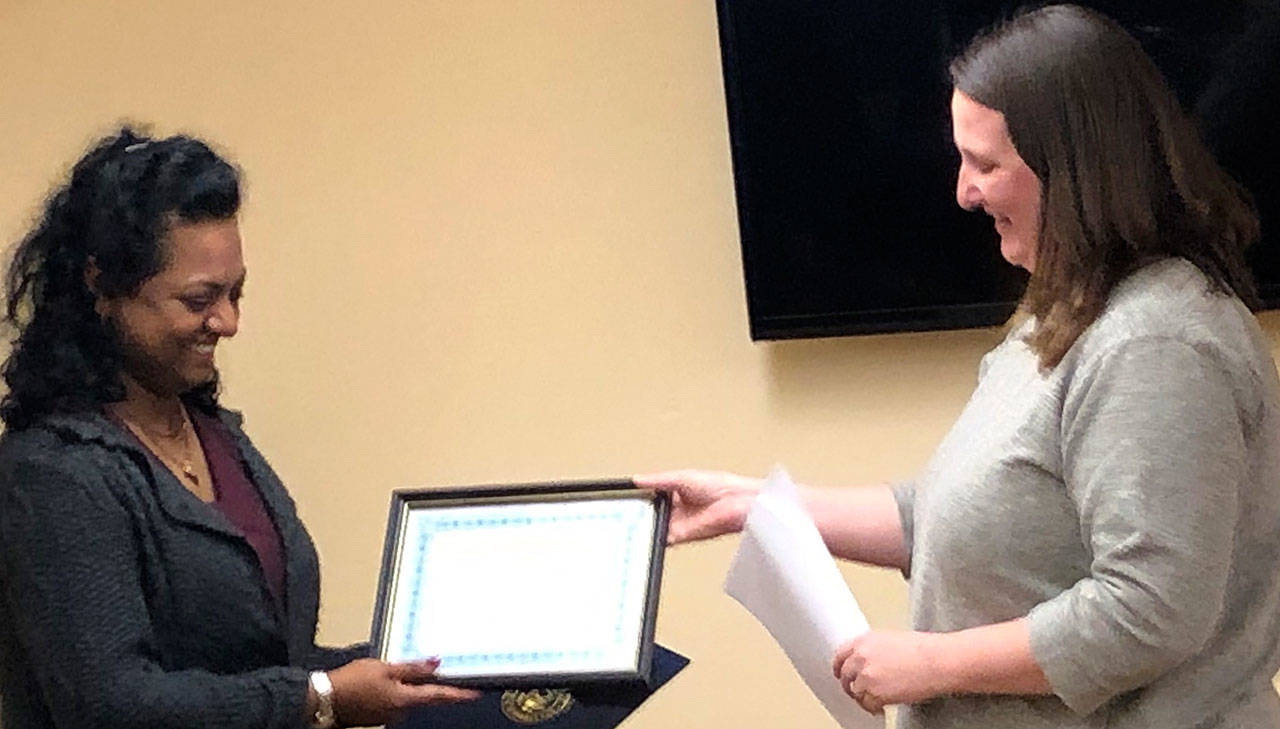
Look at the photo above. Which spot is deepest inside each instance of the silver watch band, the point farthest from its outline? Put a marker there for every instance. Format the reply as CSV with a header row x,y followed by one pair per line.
x,y
324,716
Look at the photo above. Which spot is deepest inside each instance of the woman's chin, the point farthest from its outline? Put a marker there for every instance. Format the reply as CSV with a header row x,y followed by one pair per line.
x,y
1016,252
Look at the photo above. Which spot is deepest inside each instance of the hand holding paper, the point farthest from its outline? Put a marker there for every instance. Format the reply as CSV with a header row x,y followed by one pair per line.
x,y
784,575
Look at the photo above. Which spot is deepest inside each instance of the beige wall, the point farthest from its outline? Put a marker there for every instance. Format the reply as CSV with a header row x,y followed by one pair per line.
x,y
489,240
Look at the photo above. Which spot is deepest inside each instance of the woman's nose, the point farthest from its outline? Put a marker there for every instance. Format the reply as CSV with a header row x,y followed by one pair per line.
x,y
225,318
968,196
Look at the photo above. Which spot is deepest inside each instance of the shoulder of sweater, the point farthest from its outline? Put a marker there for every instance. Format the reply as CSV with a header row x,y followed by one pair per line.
x,y
64,435
43,460
1173,300
1172,304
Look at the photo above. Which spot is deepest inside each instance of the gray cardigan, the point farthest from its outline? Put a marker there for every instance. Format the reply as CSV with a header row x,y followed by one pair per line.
x,y
125,601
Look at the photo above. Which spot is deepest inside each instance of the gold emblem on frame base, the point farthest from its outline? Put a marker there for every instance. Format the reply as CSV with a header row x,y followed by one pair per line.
x,y
535,706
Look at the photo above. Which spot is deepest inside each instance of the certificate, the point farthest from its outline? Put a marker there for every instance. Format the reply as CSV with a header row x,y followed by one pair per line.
x,y
526,585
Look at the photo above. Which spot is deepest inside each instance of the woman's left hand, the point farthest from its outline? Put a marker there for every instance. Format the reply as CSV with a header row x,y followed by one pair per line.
x,y
885,667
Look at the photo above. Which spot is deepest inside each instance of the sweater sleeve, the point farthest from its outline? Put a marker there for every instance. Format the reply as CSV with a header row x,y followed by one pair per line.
x,y
904,493
327,658
69,569
1153,457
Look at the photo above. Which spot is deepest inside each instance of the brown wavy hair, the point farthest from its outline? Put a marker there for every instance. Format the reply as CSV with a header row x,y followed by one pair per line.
x,y
1124,174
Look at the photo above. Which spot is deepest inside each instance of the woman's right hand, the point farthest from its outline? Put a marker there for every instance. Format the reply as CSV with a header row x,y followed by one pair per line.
x,y
370,692
704,504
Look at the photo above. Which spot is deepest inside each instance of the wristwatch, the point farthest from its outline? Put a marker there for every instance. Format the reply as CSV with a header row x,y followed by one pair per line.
x,y
324,718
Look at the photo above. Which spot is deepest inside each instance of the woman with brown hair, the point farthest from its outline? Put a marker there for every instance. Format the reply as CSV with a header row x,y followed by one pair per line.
x,y
1094,542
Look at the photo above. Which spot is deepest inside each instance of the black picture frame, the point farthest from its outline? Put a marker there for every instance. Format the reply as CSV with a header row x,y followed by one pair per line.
x,y
405,502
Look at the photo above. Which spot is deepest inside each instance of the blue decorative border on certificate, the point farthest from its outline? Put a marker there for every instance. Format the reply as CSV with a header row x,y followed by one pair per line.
x,y
415,595
530,658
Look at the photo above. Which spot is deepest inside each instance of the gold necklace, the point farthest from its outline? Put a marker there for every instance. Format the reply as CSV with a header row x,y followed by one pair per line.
x,y
185,462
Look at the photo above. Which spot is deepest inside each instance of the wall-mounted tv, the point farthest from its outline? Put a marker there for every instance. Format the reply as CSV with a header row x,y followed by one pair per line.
x,y
845,171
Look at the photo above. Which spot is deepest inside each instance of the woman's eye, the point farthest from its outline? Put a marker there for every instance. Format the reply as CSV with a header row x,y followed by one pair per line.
x,y
196,304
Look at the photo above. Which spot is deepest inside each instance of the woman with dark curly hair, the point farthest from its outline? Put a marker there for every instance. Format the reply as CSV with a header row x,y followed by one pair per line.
x,y
153,570
1094,543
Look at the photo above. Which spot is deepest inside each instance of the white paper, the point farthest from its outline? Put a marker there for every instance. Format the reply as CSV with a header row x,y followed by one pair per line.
x,y
785,576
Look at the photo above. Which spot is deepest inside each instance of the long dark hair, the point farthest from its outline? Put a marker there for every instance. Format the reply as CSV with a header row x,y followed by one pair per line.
x,y
1124,175
114,211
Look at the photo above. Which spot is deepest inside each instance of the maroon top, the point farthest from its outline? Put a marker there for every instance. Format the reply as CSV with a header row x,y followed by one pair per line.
x,y
236,496
238,499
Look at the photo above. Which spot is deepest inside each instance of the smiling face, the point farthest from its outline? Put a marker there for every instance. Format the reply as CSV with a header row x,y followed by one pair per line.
x,y
995,179
170,327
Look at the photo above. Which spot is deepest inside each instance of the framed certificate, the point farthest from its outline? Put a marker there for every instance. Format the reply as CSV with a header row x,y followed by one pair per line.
x,y
523,585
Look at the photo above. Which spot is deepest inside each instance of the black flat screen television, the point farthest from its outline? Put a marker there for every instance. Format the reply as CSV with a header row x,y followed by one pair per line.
x,y
845,172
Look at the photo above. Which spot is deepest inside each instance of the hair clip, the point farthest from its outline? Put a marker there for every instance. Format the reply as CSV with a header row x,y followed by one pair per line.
x,y
136,146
